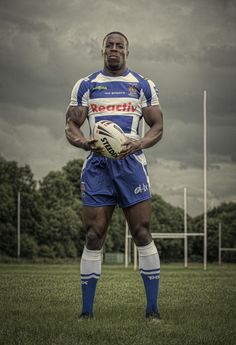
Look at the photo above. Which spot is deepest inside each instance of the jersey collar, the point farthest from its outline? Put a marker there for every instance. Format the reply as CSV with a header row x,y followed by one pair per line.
x,y
125,73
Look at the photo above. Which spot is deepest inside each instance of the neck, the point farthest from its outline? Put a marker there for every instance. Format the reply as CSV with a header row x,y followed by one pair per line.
x,y
115,73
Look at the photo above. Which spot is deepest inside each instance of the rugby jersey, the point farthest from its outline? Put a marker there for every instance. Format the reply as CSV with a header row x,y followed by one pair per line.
x,y
119,99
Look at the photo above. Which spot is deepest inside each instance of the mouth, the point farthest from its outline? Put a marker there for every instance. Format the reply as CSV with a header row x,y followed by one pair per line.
x,y
113,57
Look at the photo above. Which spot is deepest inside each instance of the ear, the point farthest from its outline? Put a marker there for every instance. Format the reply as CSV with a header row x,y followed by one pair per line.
x,y
102,51
127,53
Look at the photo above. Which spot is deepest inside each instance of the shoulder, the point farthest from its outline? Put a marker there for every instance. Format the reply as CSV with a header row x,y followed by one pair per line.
x,y
145,82
87,80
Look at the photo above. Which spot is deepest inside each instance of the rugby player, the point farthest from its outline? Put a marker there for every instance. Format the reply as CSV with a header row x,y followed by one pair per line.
x,y
123,96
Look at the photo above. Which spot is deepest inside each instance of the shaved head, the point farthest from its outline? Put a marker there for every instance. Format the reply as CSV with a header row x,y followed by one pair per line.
x,y
117,33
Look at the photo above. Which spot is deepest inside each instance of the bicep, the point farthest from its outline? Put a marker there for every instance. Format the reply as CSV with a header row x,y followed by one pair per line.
x,y
76,114
153,115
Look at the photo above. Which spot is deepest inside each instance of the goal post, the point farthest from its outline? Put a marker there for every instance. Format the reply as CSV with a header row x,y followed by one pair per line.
x,y
222,249
185,234
168,235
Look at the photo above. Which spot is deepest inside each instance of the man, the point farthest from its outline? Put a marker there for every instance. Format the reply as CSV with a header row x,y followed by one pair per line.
x,y
124,97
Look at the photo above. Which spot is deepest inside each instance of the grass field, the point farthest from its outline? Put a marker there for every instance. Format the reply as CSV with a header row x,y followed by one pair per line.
x,y
40,304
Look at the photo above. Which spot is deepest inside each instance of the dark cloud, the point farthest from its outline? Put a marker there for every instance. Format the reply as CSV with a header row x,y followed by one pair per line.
x,y
185,47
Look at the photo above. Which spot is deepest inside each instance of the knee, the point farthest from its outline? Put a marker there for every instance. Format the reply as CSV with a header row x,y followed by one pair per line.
x,y
94,238
141,235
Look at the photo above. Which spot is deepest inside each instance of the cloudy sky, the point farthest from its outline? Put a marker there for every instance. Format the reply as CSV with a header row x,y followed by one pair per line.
x,y
184,46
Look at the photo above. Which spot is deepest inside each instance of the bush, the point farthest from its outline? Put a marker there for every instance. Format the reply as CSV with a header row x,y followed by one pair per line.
x,y
59,250
29,247
71,251
46,252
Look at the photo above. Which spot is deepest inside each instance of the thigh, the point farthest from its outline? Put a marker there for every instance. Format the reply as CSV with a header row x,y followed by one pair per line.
x,y
131,180
96,221
96,184
138,218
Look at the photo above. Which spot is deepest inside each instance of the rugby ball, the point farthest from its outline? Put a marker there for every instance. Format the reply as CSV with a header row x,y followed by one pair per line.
x,y
110,136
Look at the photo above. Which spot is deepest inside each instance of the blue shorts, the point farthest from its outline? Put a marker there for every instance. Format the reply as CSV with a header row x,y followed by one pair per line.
x,y
106,182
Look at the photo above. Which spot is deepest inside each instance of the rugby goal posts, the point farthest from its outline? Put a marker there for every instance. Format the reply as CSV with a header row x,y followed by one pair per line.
x,y
223,249
168,235
185,234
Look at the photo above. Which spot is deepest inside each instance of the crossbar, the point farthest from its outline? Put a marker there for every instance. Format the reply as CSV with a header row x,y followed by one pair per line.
x,y
173,234
228,249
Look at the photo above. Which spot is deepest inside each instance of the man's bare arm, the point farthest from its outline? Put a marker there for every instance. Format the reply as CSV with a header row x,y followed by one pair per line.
x,y
75,117
154,118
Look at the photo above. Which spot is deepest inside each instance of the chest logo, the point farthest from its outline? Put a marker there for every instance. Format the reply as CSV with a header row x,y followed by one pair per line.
x,y
123,107
133,91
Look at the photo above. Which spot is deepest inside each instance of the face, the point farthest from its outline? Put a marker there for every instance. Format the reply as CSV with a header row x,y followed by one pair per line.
x,y
115,52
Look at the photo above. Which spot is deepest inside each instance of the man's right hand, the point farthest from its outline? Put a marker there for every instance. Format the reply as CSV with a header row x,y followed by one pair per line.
x,y
75,117
90,145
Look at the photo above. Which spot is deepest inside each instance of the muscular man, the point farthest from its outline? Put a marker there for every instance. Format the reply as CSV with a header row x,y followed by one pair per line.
x,y
120,95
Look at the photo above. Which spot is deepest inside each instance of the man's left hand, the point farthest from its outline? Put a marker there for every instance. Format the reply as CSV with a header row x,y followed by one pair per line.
x,y
130,146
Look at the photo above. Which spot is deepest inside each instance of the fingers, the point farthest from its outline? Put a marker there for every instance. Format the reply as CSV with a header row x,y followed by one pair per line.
x,y
93,147
127,142
130,146
92,141
126,151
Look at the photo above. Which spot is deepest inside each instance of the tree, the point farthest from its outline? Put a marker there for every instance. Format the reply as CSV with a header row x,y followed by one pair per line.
x,y
61,228
14,179
52,224
226,214
60,232
72,171
56,189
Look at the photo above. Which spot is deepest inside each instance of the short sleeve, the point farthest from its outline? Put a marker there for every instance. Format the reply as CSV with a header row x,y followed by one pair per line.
x,y
150,94
80,94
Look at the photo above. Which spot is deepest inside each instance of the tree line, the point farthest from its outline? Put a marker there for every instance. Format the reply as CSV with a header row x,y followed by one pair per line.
x,y
52,224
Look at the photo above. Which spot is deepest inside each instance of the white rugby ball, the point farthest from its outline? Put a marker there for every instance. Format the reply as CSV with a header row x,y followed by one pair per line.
x,y
110,136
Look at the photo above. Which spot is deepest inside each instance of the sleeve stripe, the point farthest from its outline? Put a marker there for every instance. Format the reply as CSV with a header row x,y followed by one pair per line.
x,y
150,94
79,94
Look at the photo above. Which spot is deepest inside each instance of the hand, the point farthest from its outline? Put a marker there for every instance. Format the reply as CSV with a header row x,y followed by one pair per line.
x,y
130,146
90,145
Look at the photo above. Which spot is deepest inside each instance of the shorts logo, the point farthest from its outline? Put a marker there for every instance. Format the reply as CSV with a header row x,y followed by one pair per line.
x,y
82,188
141,189
84,282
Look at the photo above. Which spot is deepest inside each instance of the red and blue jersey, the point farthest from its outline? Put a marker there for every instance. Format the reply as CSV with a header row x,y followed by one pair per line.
x,y
119,99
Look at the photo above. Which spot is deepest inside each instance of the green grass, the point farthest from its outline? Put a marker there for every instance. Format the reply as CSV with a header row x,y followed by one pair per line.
x,y
40,304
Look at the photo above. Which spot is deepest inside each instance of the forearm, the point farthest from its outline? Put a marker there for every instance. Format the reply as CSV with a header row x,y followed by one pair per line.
x,y
75,136
153,135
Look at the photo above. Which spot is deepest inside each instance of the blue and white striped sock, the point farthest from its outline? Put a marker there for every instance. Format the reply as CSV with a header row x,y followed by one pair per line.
x,y
149,265
90,271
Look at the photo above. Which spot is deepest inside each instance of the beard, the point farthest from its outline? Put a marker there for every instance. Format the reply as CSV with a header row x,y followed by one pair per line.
x,y
114,65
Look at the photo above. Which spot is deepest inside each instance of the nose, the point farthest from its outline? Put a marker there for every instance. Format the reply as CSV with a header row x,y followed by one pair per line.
x,y
113,47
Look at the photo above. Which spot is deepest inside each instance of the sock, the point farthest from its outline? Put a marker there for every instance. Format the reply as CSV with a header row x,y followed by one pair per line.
x,y
90,271
149,265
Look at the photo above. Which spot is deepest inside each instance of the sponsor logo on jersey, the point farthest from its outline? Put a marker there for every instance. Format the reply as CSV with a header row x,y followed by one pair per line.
x,y
123,107
99,88
141,188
